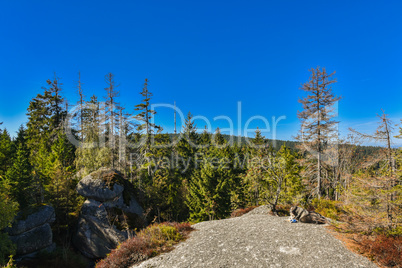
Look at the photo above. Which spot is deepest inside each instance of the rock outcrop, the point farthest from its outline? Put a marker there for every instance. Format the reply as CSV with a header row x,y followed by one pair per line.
x,y
31,230
257,239
304,216
108,214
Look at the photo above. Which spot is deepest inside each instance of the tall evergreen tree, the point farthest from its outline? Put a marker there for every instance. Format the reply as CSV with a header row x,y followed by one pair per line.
x,y
210,187
6,151
20,174
92,155
146,127
187,147
317,118
8,211
46,113
253,178
81,103
111,113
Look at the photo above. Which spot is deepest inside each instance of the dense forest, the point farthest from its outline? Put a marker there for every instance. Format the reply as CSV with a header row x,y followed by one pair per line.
x,y
196,175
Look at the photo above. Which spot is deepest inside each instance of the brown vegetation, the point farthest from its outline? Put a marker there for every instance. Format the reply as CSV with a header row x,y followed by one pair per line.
x,y
149,242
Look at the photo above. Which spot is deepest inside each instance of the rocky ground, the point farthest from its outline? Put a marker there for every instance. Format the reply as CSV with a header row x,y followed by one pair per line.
x,y
258,240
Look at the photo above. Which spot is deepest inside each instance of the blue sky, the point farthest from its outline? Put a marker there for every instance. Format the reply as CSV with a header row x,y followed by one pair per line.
x,y
206,56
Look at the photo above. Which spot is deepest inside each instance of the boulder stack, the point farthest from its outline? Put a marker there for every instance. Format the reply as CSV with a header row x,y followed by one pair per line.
x,y
31,230
108,214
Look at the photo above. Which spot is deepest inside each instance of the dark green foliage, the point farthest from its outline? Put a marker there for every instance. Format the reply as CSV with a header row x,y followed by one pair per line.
x,y
209,193
20,177
8,210
6,152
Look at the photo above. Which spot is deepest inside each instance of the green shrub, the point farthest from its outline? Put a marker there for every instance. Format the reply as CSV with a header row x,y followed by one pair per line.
x,y
10,263
8,210
328,208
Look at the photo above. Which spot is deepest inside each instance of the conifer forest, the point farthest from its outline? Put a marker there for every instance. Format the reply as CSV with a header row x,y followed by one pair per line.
x,y
124,127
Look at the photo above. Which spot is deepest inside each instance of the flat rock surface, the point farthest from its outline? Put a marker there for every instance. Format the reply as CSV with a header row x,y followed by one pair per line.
x,y
258,240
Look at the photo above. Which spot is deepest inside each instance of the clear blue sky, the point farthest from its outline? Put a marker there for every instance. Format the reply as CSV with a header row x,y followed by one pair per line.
x,y
206,55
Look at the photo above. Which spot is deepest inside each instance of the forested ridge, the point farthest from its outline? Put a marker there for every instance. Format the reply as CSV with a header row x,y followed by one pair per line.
x,y
197,175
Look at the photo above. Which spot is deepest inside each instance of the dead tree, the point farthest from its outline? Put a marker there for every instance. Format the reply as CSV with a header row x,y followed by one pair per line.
x,y
317,119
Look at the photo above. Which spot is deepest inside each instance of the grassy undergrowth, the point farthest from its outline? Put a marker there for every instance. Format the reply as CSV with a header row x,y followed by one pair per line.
x,y
149,242
361,234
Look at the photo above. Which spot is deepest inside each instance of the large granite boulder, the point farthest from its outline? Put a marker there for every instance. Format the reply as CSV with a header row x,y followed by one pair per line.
x,y
108,214
31,231
30,218
100,186
96,235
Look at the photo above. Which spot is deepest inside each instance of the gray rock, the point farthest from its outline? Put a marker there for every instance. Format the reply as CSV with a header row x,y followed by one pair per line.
x,y
132,205
32,255
33,240
258,240
96,235
111,203
31,218
100,185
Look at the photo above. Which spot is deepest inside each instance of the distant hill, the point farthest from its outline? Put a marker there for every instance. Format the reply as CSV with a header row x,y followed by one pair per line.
x,y
361,151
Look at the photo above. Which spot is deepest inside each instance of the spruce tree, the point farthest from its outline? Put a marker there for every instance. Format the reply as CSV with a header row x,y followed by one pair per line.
x,y
91,154
81,103
6,152
210,187
146,127
8,211
111,114
205,138
253,178
187,147
20,174
317,119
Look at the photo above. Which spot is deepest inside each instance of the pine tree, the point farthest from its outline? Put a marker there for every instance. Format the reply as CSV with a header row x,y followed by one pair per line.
x,y
111,108
46,113
253,178
217,139
6,152
210,187
56,105
8,211
81,103
45,116
20,174
205,138
61,189
187,147
92,155
146,127
317,118
282,176
209,192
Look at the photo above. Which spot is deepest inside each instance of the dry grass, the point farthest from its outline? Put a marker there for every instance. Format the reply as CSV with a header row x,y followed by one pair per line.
x,y
385,251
